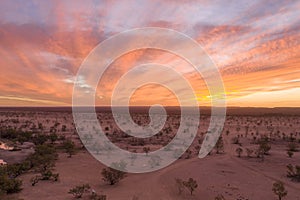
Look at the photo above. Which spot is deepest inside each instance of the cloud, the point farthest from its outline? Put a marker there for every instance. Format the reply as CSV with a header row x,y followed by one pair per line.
x,y
255,45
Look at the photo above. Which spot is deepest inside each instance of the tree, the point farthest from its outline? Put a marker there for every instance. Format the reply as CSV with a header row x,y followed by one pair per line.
x,y
239,151
264,146
40,139
79,190
69,146
279,190
8,184
43,161
43,158
191,185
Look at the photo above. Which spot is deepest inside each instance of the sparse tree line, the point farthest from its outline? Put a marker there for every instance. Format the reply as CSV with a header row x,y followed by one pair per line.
x,y
110,175
41,162
278,189
85,189
263,149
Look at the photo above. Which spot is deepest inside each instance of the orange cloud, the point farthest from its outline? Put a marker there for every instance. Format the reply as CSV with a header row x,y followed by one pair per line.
x,y
256,48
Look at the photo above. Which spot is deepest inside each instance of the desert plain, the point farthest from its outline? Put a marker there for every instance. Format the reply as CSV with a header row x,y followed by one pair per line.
x,y
254,151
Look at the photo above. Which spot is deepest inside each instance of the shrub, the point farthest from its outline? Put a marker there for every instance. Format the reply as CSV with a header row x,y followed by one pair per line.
x,y
45,176
8,184
15,170
95,196
69,146
44,157
292,147
293,172
79,190
40,139
279,190
220,197
264,146
290,153
115,174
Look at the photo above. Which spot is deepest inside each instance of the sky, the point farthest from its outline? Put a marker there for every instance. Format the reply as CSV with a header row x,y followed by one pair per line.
x,y
254,44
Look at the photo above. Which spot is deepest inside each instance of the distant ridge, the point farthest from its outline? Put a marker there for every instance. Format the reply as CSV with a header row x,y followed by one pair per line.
x,y
170,109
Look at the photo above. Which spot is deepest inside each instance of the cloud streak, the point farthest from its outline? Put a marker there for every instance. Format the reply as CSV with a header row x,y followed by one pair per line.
x,y
255,45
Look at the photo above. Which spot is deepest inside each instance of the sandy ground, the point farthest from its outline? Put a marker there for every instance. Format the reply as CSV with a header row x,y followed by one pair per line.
x,y
235,178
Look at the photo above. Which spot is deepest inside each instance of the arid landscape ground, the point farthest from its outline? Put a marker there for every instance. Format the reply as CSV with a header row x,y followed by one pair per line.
x,y
250,157
99,100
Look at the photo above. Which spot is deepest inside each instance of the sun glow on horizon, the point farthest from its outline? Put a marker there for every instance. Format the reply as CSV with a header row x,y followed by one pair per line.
x,y
256,47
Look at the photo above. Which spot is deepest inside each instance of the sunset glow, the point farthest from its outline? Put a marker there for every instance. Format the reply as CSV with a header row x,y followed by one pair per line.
x,y
255,45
